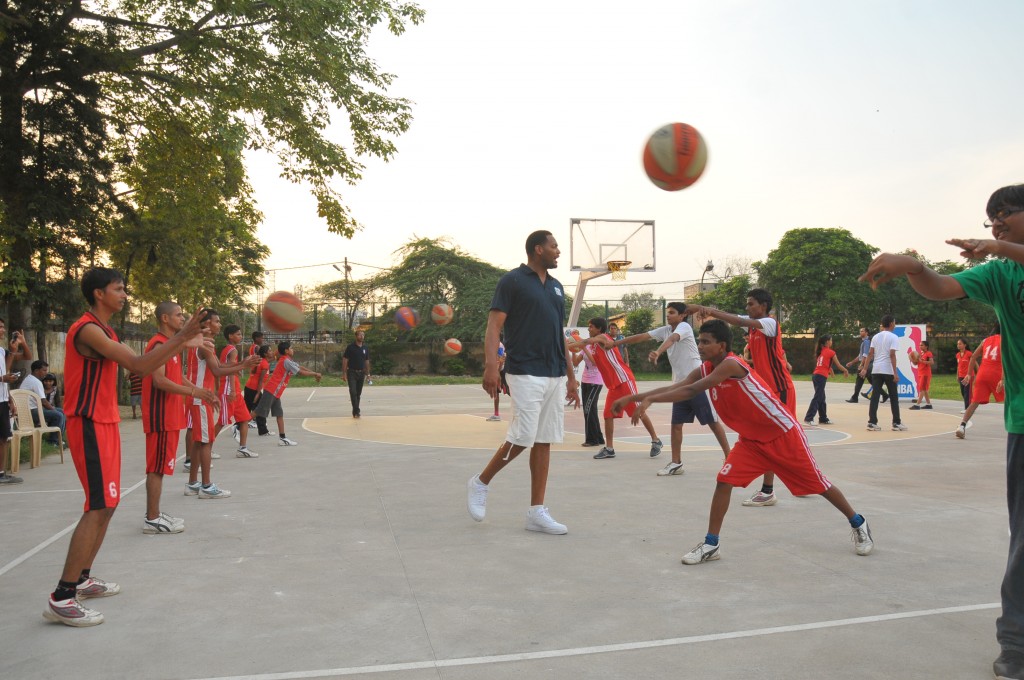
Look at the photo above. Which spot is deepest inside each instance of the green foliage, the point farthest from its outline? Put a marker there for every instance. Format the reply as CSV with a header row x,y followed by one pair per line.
x,y
455,366
639,321
433,271
730,295
91,95
641,300
812,275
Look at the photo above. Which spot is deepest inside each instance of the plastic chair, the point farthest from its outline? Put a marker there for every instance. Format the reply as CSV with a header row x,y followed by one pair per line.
x,y
19,432
25,400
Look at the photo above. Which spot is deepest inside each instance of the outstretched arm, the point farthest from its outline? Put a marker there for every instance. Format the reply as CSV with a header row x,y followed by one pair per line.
x,y
980,248
927,282
731,319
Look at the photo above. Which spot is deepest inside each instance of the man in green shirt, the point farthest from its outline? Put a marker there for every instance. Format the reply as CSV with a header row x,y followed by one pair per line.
x,y
1000,283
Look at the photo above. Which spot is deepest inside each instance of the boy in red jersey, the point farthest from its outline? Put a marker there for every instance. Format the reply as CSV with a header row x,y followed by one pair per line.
x,y
233,410
769,436
254,388
92,355
985,376
618,377
270,402
203,371
163,419
770,364
925,360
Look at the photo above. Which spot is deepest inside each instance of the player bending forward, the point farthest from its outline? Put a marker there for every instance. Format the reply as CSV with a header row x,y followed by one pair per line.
x,y
770,438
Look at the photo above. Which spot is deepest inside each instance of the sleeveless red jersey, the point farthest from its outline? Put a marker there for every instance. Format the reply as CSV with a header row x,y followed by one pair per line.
x,y
769,359
253,383
991,362
229,384
162,411
280,377
90,384
748,405
199,373
613,368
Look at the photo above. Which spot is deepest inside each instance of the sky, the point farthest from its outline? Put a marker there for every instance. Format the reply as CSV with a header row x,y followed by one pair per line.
x,y
893,120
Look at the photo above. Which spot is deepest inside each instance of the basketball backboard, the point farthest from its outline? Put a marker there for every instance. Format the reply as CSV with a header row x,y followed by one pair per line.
x,y
593,243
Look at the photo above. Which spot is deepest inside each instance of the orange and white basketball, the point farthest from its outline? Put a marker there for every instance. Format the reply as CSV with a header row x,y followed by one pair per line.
x,y
452,346
675,156
282,312
442,314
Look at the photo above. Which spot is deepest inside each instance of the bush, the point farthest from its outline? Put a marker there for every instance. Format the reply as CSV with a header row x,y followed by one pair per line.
x,y
455,366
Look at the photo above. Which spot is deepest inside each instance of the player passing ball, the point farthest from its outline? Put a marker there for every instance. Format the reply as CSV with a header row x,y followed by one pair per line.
x,y
770,438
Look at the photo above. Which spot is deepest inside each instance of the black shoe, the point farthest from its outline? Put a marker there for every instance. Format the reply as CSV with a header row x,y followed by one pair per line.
x,y
851,401
885,398
1009,665
591,444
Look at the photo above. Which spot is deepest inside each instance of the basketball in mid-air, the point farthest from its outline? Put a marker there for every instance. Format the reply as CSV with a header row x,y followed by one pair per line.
x,y
282,312
914,357
442,314
407,318
452,346
675,156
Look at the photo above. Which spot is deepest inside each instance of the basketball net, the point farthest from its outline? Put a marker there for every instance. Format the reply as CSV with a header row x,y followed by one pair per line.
x,y
619,268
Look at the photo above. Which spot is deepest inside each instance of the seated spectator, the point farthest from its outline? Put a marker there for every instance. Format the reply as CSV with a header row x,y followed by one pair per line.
x,y
53,416
52,391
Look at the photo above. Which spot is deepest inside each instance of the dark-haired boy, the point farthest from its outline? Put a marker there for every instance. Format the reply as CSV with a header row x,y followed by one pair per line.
x,y
233,411
882,360
764,340
91,358
270,402
770,437
999,283
163,419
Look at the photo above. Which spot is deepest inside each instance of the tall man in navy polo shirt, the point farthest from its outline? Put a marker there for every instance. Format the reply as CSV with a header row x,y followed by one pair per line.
x,y
530,305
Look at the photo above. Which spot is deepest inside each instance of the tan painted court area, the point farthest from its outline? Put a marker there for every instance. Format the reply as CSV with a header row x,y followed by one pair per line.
x,y
352,555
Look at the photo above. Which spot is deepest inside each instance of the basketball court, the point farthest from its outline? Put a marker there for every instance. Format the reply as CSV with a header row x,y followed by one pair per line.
x,y
352,555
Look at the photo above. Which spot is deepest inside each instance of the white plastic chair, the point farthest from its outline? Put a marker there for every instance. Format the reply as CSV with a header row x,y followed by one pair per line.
x,y
25,401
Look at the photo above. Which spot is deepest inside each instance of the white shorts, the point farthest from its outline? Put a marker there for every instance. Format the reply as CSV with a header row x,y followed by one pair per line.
x,y
538,410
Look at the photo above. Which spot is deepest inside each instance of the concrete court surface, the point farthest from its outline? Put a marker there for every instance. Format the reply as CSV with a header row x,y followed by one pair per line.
x,y
352,555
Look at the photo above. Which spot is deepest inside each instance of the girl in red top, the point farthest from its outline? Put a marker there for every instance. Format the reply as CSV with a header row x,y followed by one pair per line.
x,y
963,360
925,360
826,360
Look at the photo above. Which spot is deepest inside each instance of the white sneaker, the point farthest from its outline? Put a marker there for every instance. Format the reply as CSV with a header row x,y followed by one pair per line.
x,y
874,427
245,452
961,431
539,519
235,434
899,427
761,499
703,553
862,539
252,424
493,419
214,455
213,491
671,469
476,501
173,520
71,613
193,489
284,441
160,526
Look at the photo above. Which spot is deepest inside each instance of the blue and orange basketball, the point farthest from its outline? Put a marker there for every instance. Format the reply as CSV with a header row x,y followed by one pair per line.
x,y
675,156
407,318
282,312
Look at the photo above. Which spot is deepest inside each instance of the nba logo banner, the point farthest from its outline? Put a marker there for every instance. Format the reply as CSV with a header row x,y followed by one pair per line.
x,y
910,337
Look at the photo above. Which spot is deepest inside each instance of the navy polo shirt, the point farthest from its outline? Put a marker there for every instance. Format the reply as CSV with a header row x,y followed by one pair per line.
x,y
534,343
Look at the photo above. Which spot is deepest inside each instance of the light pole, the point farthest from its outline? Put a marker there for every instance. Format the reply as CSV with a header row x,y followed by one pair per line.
x,y
710,266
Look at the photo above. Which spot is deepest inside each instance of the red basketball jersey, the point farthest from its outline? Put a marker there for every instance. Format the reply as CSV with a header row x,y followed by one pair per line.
x,y
90,384
770,360
229,384
748,405
162,411
613,368
199,373
279,378
991,363
253,383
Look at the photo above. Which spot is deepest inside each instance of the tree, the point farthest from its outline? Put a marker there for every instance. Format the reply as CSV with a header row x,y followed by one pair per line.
x,y
812,276
354,292
730,295
641,300
639,321
83,88
433,271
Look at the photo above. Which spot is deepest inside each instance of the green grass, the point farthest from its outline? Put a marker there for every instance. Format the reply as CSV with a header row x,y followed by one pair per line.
x,y
943,386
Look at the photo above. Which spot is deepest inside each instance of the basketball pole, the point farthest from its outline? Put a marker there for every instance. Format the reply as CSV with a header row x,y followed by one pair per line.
x,y
577,300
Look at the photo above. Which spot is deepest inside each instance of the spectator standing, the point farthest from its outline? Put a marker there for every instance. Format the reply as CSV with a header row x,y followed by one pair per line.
x,y
355,369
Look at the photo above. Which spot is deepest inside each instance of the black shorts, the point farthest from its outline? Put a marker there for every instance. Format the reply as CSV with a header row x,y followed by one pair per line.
x,y
5,421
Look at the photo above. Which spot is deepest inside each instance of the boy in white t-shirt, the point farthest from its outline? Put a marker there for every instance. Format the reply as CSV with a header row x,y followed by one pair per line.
x,y
678,342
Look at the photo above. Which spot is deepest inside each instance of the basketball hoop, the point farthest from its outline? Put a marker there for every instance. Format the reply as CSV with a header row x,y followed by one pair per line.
x,y
618,268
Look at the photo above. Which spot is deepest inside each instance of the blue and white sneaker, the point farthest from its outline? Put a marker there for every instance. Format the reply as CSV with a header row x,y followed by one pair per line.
x,y
213,491
193,489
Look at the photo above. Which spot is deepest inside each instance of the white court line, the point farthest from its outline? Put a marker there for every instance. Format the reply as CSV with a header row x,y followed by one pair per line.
x,y
56,537
603,649
310,395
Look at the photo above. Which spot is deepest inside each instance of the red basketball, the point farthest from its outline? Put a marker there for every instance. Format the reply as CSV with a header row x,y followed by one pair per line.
x,y
407,318
452,346
675,156
282,312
